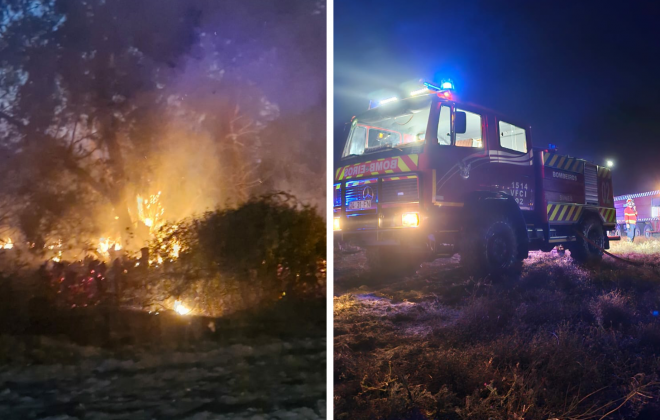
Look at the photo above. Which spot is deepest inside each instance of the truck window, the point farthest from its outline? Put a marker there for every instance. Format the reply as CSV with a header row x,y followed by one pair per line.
x,y
473,135
512,137
444,126
395,125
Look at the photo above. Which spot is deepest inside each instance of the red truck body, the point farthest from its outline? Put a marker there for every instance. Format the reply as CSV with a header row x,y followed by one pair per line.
x,y
444,177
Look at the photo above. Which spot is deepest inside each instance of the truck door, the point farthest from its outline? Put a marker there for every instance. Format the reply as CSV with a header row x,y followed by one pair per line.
x,y
461,163
512,158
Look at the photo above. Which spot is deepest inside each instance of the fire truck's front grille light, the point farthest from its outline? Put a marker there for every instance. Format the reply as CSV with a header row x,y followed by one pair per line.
x,y
336,224
410,219
337,195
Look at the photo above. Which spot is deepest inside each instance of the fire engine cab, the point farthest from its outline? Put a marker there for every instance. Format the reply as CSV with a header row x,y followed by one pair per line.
x,y
427,171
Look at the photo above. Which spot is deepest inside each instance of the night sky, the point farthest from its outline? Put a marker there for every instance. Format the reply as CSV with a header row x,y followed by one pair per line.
x,y
584,75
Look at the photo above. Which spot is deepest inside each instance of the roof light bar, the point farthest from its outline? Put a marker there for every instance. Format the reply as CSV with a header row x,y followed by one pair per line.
x,y
388,100
444,85
420,91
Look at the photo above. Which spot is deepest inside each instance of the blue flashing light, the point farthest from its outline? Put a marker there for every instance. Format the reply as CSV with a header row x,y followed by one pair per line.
x,y
552,146
447,84
655,313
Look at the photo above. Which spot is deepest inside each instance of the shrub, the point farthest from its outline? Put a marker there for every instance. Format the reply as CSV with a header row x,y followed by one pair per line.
x,y
236,258
612,310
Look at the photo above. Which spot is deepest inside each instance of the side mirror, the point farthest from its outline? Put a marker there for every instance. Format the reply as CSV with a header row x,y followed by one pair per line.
x,y
460,122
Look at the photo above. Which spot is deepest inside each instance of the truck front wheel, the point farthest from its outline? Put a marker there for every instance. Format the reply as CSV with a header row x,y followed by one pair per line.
x,y
582,251
491,247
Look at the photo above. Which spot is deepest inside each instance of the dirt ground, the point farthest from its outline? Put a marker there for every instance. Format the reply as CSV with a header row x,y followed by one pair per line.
x,y
559,341
258,379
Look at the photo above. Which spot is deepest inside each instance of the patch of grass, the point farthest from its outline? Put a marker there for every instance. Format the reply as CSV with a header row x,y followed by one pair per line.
x,y
560,341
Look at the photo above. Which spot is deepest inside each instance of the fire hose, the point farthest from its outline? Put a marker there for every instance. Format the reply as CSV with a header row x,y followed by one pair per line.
x,y
592,243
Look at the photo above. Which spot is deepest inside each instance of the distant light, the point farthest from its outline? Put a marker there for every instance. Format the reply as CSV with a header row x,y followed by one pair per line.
x,y
388,100
419,91
610,164
336,224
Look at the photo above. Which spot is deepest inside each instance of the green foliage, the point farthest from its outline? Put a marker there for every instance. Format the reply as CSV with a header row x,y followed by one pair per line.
x,y
270,247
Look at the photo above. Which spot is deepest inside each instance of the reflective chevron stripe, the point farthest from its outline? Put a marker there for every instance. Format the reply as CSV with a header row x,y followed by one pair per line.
x,y
608,214
564,212
565,163
570,213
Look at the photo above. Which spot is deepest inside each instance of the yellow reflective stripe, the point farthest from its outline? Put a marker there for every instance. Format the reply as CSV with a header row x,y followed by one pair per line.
x,y
554,213
561,162
563,211
575,165
570,213
568,164
546,157
553,160
577,214
402,165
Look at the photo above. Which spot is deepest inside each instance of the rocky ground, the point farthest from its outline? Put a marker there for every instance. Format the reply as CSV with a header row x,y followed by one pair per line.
x,y
558,341
261,378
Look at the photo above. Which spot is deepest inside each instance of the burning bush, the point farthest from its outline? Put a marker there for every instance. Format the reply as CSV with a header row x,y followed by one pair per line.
x,y
229,259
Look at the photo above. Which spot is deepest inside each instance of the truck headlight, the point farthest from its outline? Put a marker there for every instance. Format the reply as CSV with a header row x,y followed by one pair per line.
x,y
336,224
410,219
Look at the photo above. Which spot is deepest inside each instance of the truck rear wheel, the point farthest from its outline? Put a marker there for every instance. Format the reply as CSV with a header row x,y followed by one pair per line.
x,y
647,231
491,247
582,251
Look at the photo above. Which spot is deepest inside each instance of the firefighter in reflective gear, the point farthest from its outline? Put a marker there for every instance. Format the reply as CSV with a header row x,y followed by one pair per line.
x,y
630,217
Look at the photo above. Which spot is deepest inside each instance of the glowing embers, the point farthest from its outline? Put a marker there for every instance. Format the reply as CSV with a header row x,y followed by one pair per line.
x,y
106,244
180,308
8,244
150,211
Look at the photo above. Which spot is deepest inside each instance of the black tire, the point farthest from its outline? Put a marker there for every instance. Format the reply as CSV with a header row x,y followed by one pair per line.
x,y
647,231
491,247
581,250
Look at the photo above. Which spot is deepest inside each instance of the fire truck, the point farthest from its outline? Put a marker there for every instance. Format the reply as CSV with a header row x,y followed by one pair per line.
x,y
428,172
648,213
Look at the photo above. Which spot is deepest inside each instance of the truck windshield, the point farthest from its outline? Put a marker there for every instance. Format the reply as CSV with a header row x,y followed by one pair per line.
x,y
394,125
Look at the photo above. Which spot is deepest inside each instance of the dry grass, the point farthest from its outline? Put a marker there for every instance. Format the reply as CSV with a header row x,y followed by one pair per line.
x,y
560,341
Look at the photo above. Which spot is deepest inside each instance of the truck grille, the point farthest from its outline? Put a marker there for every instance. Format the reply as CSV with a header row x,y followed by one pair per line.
x,y
590,184
399,189
362,190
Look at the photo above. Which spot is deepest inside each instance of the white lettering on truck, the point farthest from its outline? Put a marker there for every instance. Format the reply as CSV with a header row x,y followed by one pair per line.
x,y
377,166
562,175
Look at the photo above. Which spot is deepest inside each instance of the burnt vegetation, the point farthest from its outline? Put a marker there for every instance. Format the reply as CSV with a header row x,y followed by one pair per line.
x,y
150,160
560,341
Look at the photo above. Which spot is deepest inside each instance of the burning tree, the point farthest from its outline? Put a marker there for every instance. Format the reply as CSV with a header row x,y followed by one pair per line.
x,y
112,110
